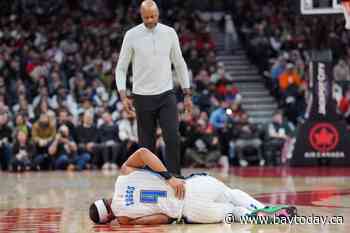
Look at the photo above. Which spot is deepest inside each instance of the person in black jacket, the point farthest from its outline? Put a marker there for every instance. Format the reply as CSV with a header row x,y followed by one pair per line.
x,y
64,118
204,145
5,141
23,152
87,139
63,149
109,141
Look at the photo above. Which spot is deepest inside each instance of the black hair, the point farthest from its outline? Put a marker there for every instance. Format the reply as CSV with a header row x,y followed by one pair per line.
x,y
93,212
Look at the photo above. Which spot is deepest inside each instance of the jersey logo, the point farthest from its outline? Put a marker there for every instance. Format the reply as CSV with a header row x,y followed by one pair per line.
x,y
129,196
151,196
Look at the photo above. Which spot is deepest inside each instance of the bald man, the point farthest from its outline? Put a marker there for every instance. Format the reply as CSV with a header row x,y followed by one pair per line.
x,y
152,47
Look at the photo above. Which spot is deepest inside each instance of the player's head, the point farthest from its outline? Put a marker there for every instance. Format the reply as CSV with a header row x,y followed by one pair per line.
x,y
100,212
149,13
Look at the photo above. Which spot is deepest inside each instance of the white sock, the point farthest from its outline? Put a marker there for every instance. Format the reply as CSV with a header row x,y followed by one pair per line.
x,y
242,199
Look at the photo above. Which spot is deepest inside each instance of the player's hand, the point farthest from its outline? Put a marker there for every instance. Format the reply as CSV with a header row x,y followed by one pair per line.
x,y
128,107
179,187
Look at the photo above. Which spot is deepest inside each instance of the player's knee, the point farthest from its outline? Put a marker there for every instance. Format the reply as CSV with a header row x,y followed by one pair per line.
x,y
237,191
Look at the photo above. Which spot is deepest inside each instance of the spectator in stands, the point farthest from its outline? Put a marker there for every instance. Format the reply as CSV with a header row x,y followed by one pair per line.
x,y
297,59
277,70
344,106
232,94
206,99
43,95
3,104
43,132
219,116
202,80
203,146
341,71
278,132
219,73
110,143
87,139
63,97
86,104
279,128
22,124
128,135
23,106
43,108
248,137
289,79
235,112
3,90
275,41
64,118
77,86
63,149
218,119
23,152
5,141
194,62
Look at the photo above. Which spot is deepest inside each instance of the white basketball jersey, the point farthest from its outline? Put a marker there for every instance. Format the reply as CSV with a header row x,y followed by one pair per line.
x,y
144,193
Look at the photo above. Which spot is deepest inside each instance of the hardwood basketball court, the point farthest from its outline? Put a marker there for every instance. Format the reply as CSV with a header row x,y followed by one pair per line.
x,y
50,202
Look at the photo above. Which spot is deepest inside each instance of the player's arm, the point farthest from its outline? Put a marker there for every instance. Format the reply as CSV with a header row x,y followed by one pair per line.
x,y
179,62
124,60
154,219
125,57
141,158
144,157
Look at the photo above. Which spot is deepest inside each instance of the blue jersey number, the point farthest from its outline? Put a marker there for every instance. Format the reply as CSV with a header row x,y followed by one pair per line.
x,y
151,196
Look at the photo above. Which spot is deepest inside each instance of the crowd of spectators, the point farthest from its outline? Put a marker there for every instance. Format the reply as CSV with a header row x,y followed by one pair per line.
x,y
278,40
59,108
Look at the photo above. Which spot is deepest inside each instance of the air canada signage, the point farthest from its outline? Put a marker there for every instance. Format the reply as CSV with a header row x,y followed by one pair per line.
x,y
323,137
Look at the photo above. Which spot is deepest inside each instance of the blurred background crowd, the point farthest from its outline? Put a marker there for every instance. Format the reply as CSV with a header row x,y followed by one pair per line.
x,y
278,39
59,108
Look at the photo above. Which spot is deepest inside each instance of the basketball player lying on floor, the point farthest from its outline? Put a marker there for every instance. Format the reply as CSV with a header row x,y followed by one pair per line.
x,y
155,197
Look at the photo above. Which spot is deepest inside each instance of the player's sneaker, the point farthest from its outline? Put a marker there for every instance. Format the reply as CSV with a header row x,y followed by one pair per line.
x,y
274,211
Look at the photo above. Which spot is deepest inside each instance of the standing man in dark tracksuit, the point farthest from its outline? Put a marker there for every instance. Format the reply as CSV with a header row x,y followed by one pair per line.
x,y
152,47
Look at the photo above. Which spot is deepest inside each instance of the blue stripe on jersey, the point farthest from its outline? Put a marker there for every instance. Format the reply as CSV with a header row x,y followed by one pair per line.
x,y
151,196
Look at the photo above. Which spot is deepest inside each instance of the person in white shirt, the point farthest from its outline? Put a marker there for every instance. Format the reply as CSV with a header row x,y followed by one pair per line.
x,y
154,196
152,47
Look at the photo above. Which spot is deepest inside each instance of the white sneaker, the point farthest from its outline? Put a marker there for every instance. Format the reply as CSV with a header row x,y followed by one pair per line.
x,y
113,166
243,163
